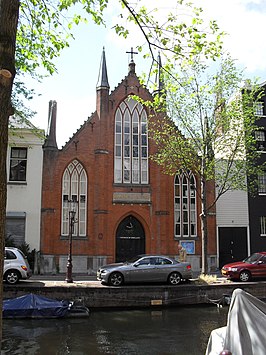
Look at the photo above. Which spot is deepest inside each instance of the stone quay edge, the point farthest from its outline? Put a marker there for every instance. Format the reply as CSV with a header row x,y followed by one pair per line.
x,y
94,295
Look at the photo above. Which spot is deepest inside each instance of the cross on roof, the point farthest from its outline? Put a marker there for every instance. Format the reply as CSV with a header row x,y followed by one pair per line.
x,y
131,52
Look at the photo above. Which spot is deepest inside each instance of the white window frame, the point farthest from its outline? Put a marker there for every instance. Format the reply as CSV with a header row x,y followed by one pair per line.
x,y
74,187
185,205
261,140
131,143
260,135
262,183
258,108
263,226
15,162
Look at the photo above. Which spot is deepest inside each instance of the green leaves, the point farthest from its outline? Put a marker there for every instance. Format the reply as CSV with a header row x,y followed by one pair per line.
x,y
211,126
180,34
44,30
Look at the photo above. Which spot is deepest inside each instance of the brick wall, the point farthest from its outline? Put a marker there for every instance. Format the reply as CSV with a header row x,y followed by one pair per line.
x,y
93,145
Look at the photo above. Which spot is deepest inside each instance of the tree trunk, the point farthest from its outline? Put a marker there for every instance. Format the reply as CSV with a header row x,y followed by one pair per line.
x,y
204,228
9,11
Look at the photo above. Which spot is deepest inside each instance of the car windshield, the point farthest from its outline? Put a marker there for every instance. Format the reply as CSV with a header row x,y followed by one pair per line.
x,y
22,254
135,258
252,258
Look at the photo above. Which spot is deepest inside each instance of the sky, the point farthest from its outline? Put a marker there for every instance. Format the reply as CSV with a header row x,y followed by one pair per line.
x,y
74,86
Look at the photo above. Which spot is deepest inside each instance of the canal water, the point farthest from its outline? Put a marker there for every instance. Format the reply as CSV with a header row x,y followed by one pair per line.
x,y
182,330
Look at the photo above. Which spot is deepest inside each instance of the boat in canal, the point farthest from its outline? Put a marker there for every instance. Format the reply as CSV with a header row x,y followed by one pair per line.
x,y
35,306
244,333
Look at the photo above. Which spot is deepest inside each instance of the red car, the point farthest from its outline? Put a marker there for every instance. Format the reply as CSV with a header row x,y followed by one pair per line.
x,y
251,267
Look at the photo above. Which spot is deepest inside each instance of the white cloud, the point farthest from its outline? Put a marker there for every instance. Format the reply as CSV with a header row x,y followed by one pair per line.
x,y
74,87
242,20
244,23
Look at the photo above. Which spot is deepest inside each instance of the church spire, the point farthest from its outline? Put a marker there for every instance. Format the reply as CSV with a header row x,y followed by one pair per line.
x,y
103,78
50,142
102,88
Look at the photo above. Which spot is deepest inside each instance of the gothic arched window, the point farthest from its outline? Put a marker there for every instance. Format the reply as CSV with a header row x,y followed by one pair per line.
x,y
131,143
185,205
74,187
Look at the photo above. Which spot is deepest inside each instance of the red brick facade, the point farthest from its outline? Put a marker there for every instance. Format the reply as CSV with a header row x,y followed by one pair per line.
x,y
108,204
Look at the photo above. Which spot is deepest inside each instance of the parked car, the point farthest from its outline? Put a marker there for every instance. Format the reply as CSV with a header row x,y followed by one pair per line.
x,y
145,268
251,267
16,266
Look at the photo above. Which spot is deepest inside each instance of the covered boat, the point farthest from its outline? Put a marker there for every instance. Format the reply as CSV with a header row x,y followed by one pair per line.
x,y
244,333
34,306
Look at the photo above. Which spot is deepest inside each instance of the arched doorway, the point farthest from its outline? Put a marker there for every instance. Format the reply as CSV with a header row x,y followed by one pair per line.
x,y
130,239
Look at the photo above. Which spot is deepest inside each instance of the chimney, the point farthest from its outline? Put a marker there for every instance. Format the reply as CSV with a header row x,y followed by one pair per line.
x,y
50,141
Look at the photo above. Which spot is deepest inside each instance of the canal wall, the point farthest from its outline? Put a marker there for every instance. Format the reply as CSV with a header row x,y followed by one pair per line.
x,y
96,296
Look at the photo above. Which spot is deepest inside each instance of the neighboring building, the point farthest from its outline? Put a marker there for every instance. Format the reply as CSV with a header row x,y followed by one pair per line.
x,y
126,204
257,203
24,178
240,215
233,232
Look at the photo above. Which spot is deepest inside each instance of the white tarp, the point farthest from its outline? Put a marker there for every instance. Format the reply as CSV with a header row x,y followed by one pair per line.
x,y
245,332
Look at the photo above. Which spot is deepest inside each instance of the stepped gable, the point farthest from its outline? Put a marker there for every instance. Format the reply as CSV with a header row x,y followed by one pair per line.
x,y
130,90
130,85
86,122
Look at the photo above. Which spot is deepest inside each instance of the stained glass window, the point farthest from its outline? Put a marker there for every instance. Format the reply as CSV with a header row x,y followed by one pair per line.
x,y
185,205
74,187
131,143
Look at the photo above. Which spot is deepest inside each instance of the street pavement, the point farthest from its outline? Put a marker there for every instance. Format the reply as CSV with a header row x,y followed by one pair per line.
x,y
86,277
62,277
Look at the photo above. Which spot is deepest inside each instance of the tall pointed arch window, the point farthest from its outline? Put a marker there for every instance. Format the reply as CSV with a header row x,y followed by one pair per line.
x,y
74,187
185,205
131,143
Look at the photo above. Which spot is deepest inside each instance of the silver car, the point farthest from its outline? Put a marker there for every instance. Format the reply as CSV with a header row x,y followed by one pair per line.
x,y
145,268
16,266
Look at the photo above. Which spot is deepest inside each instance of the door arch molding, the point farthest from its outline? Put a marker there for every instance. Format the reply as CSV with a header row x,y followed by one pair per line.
x,y
130,238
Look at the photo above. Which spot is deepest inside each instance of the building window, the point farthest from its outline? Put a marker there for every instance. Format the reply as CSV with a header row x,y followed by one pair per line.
x,y
131,143
261,140
74,187
263,226
185,205
18,164
15,227
262,182
258,109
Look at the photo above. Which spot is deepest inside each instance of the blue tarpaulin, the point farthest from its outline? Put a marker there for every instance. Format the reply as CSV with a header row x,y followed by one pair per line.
x,y
34,306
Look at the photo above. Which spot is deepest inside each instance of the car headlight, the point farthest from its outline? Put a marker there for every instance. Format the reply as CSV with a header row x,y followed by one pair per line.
x,y
103,271
234,269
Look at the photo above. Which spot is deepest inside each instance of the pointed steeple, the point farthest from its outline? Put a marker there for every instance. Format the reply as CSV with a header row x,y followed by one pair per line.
x,y
50,142
103,78
102,89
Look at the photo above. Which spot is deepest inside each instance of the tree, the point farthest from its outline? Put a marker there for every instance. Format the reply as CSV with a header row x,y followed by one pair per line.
x,y
33,33
179,35
8,27
211,130
197,136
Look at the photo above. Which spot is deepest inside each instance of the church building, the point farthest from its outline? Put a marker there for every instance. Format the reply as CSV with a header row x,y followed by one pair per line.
x,y
125,204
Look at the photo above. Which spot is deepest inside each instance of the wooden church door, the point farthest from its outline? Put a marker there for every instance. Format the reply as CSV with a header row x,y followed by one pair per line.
x,y
130,239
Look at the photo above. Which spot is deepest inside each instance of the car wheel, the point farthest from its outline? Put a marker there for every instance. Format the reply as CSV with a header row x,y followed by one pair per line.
x,y
174,278
244,276
12,277
116,279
